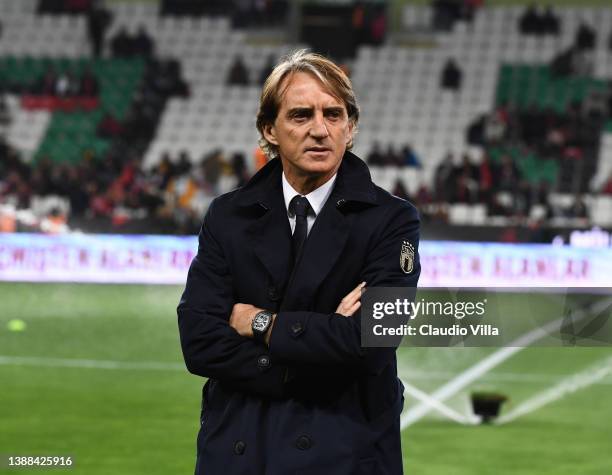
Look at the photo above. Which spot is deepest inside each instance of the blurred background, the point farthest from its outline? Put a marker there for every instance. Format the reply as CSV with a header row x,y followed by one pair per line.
x,y
120,121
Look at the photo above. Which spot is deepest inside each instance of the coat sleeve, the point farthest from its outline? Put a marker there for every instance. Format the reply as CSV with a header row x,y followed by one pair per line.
x,y
211,348
331,339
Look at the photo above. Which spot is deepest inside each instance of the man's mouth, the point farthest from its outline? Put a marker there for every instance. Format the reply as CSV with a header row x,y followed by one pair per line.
x,y
317,149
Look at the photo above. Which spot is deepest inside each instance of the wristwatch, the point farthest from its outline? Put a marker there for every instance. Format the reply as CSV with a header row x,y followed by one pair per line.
x,y
261,324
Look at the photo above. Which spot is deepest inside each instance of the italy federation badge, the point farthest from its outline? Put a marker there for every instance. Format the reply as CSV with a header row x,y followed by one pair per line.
x,y
407,257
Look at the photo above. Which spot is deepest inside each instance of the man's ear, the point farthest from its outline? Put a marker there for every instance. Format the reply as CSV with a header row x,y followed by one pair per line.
x,y
269,133
351,128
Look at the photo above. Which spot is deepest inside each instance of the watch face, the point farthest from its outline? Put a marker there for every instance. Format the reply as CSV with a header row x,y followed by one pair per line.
x,y
261,321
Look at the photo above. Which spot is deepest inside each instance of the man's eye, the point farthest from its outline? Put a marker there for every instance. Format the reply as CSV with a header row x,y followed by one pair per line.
x,y
334,114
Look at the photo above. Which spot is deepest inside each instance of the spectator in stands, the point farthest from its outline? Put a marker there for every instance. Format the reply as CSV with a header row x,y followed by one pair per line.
x,y
550,22
409,157
443,178
376,157
212,167
585,37
445,14
238,74
121,44
465,189
143,44
578,209
98,20
476,129
485,179
399,190
507,178
529,21
46,85
563,64
109,127
63,84
267,69
393,158
466,168
239,168
422,198
88,84
494,127
451,76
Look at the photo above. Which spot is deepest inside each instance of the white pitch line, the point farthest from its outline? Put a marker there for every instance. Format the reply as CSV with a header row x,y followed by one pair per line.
x,y
462,380
563,388
90,364
438,406
535,378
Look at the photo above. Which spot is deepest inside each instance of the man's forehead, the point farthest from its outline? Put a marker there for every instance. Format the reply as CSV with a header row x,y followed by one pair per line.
x,y
297,87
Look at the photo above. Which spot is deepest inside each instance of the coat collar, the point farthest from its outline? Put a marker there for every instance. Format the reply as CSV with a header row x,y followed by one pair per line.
x,y
353,184
270,233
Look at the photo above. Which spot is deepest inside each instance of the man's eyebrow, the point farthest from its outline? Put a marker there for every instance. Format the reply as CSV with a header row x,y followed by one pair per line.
x,y
333,109
296,110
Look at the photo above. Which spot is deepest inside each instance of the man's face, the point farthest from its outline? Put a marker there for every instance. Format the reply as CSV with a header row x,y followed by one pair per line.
x,y
311,130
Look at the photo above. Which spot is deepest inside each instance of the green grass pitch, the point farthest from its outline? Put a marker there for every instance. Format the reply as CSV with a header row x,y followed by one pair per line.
x,y
130,418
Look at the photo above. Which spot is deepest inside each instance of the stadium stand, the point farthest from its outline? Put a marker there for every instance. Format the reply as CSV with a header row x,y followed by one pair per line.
x,y
506,73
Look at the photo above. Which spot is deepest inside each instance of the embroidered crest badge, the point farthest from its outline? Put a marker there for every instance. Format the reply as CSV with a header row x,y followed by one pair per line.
x,y
407,257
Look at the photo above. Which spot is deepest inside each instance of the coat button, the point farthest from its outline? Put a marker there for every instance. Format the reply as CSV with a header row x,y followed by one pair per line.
x,y
272,294
263,361
239,447
303,442
297,328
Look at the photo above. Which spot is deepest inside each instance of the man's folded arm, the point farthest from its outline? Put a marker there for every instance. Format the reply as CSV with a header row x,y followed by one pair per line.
x,y
211,348
330,339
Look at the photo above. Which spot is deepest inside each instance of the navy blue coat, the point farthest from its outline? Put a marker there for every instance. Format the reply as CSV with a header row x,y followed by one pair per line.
x,y
314,402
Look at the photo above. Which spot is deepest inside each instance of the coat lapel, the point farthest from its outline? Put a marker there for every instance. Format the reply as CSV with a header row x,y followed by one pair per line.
x,y
329,234
269,233
325,243
271,238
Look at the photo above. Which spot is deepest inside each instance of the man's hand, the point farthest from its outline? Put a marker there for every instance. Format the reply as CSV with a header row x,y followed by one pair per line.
x,y
242,317
351,302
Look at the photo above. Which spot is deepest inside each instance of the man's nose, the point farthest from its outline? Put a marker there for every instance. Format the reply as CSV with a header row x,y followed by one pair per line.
x,y
319,128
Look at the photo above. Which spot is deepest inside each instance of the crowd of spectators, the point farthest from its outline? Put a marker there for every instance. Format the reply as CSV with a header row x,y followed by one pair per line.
x,y
448,12
125,45
54,83
115,190
162,79
499,186
257,13
568,139
539,23
239,74
406,157
549,133
244,13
